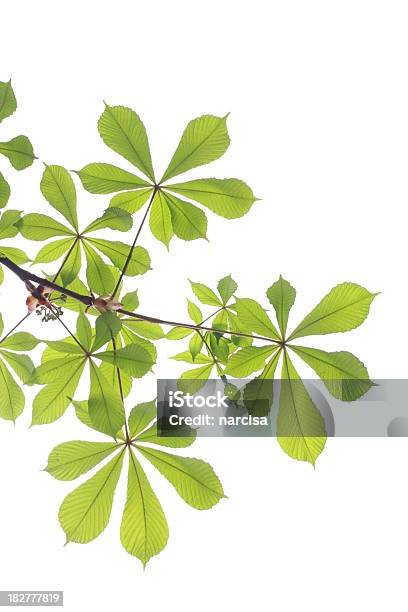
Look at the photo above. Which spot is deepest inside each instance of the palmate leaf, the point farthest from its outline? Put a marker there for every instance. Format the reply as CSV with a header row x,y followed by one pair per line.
x,y
204,140
11,395
253,318
300,429
258,393
118,252
53,250
105,406
133,358
112,218
131,201
160,219
36,226
122,130
248,360
85,512
226,288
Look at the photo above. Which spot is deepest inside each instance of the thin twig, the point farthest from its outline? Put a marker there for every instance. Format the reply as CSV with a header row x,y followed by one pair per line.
x,y
132,248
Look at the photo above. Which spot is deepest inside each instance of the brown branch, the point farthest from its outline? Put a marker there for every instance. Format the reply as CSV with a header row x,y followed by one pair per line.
x,y
88,300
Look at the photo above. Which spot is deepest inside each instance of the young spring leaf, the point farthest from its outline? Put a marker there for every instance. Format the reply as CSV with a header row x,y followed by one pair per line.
x,y
140,417
205,295
122,130
105,178
107,326
36,226
131,201
69,460
226,288
133,358
229,198
258,393
188,221
4,191
53,250
144,531
204,140
345,307
253,318
118,253
112,218
58,189
85,512
160,219
84,331
99,277
130,300
72,265
194,480
282,297
20,341
105,407
301,430
8,102
344,375
19,152
248,360
11,395
194,312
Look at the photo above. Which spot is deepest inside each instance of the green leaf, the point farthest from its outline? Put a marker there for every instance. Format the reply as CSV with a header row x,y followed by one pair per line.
x,y
11,396
345,307
130,301
35,226
19,152
151,436
153,331
118,253
99,277
140,417
52,368
4,191
16,255
204,140
248,360
122,130
205,295
72,266
187,357
131,201
20,341
1,324
196,344
53,250
84,331
194,480
21,364
69,460
8,223
53,399
229,198
193,380
105,178
178,333
82,413
301,429
344,375
282,297
160,219
85,512
188,221
144,531
254,319
8,102
226,288
258,393
194,312
62,346
58,189
112,218
107,326
105,407
133,358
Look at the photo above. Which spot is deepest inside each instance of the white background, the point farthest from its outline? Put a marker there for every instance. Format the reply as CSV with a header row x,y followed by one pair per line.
x,y
319,127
